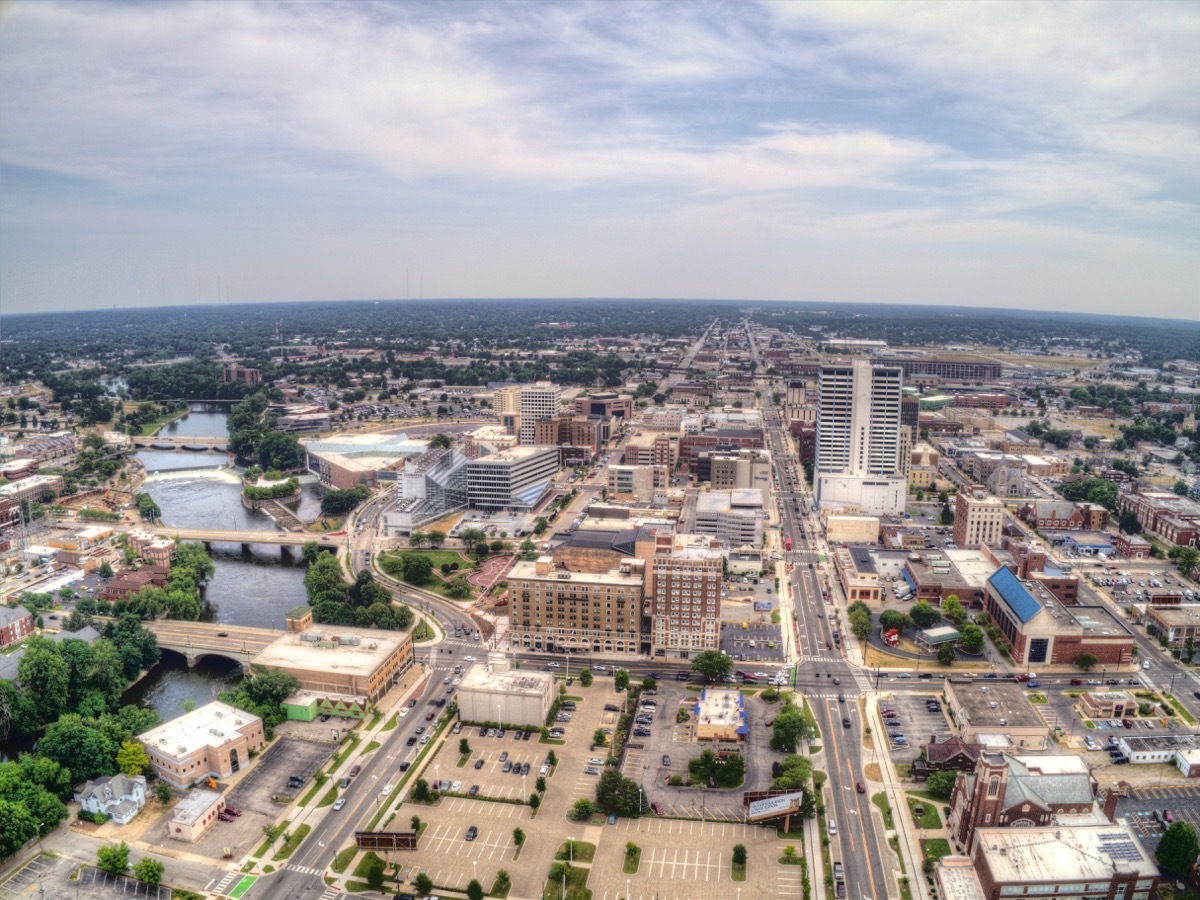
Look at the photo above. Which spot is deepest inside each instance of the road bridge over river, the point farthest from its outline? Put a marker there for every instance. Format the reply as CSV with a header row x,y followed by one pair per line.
x,y
193,640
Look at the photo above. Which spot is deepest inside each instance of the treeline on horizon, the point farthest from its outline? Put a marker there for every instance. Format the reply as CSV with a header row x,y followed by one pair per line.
x,y
119,338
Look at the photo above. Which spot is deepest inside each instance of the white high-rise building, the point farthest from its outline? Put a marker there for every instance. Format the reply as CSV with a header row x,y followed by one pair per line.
x,y
858,438
537,401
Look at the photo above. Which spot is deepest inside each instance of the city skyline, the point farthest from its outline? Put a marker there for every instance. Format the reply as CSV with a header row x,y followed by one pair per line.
x,y
1030,156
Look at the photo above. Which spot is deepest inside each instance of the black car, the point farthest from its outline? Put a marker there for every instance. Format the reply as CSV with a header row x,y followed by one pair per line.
x,y
524,768
681,676
410,741
479,763
404,766
525,736
472,833
483,731
846,722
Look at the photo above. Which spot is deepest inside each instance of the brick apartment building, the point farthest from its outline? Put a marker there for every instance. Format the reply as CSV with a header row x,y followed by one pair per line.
x,y
16,624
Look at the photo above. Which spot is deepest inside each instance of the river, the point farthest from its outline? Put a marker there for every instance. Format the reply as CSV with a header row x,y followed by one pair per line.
x,y
256,589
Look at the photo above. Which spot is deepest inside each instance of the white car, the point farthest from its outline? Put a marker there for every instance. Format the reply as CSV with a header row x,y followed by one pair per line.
x,y
387,789
595,761
456,787
403,711
469,659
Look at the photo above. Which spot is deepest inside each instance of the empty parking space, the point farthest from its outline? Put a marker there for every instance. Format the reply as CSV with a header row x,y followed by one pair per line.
x,y
48,877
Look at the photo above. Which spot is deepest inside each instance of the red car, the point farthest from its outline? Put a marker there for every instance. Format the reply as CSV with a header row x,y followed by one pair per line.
x,y
232,811
658,809
354,771
224,816
429,717
861,788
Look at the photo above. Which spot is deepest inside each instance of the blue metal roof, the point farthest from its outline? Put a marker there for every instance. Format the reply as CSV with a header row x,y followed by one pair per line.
x,y
1023,604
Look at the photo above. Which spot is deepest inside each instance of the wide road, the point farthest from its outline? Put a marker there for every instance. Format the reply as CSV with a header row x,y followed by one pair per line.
x,y
336,829
822,675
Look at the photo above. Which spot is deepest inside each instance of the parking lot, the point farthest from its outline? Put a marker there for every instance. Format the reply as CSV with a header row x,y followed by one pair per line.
x,y
914,721
644,758
494,752
684,859
45,876
252,795
736,641
1183,800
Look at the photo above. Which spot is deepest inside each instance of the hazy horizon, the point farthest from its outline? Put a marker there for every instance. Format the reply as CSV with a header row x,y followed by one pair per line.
x,y
986,155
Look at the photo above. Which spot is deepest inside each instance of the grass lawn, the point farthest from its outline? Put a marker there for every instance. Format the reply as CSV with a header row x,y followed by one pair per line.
x,y
577,888
894,843
737,873
293,842
632,862
329,797
880,800
373,745
929,818
391,723
266,845
347,749
364,864
312,792
439,558
935,848
343,858
580,851
1178,707
1036,698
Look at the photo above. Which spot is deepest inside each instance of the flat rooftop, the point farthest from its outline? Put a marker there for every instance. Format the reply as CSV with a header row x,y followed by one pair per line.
x,y
984,705
206,726
194,805
1053,854
1152,743
528,569
294,651
514,681
722,707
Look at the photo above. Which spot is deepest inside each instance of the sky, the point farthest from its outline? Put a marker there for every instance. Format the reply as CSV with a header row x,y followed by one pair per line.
x,y
1024,155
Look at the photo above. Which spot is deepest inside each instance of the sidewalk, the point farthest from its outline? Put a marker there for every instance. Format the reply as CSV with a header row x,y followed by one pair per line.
x,y
904,830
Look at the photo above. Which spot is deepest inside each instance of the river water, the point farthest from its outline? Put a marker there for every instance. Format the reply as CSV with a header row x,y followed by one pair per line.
x,y
255,589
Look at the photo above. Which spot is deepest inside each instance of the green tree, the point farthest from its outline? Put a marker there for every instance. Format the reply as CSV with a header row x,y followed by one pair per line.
x,y
712,665
309,552
424,884
105,570
458,587
440,442
739,855
45,677
1177,849
945,654
540,785
1181,488
599,738
518,837
1187,560
436,538
621,679
415,822
163,792
893,618
586,678
418,539
420,791
85,750
924,615
947,515
464,747
792,726
474,890
860,624
1086,661
972,638
417,569
132,758
1129,524
375,868
941,784
113,858
535,801
952,609
148,870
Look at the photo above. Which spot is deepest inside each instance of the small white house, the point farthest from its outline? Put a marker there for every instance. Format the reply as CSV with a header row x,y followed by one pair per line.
x,y
120,797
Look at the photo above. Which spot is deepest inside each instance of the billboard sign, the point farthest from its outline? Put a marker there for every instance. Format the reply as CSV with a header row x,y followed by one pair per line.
x,y
762,605
774,806
386,840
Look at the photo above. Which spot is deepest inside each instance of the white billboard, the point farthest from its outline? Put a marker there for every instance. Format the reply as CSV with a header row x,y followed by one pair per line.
x,y
774,806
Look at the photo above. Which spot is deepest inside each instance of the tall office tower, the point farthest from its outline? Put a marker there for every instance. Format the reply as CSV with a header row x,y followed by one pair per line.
x,y
858,438
538,401
507,403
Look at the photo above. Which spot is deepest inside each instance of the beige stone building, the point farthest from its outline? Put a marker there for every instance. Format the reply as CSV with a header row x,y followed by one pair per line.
x,y
213,740
358,661
194,815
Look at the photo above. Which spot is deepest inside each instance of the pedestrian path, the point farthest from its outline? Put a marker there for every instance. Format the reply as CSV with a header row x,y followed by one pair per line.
x,y
225,882
307,870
